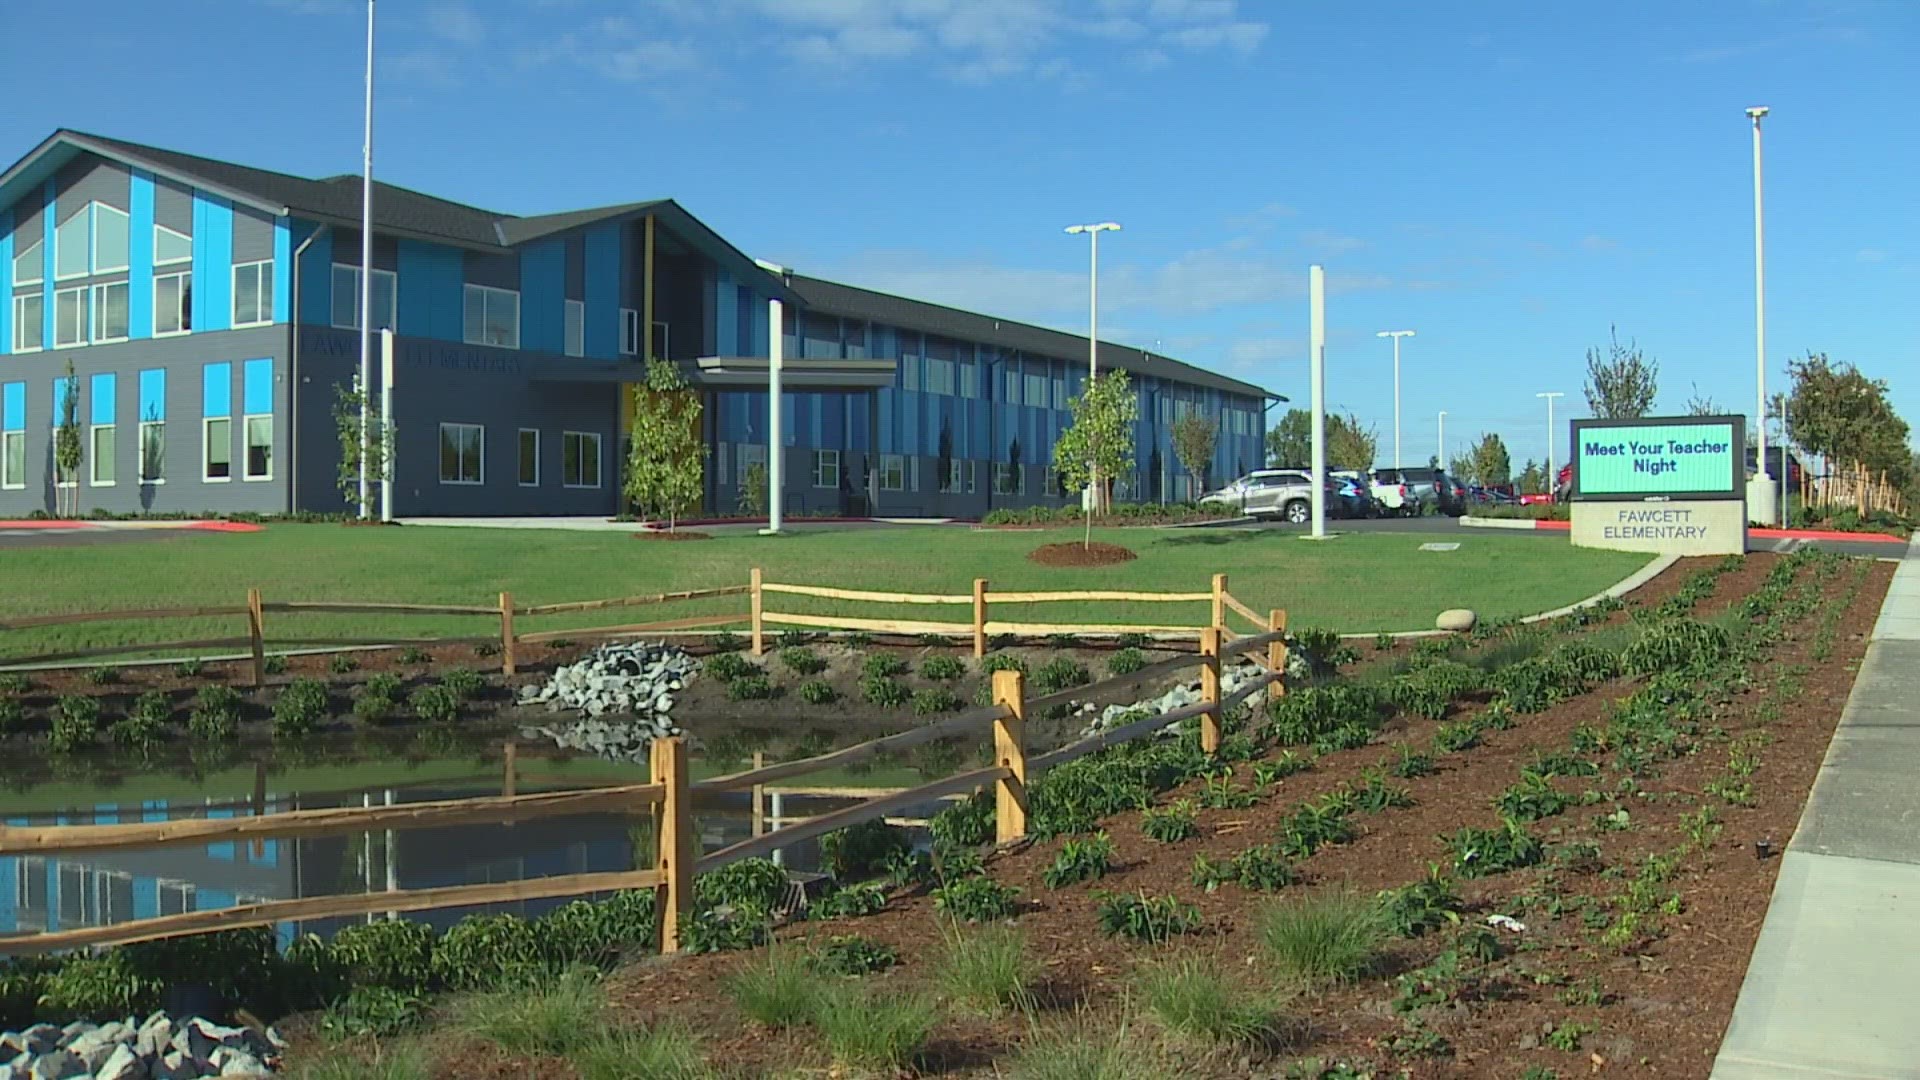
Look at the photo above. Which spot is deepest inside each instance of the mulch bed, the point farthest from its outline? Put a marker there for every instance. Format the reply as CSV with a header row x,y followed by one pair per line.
x,y
1094,554
672,534
1665,1003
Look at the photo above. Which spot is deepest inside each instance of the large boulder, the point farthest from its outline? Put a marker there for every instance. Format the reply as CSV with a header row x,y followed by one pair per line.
x,y
1456,620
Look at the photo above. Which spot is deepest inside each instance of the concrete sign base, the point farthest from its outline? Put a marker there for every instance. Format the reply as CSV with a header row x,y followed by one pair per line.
x,y
1694,527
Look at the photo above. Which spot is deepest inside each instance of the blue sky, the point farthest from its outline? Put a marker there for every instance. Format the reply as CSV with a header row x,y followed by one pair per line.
x,y
1506,178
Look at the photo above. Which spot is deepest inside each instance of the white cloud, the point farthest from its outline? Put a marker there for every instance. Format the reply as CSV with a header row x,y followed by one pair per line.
x,y
1192,9
1870,255
1593,242
616,49
1248,354
1331,243
1240,37
454,21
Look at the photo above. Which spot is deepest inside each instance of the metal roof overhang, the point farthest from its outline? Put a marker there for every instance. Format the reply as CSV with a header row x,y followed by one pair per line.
x,y
738,373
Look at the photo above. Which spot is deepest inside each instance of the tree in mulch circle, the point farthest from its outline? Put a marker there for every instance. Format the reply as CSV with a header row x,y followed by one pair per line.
x,y
1098,445
1194,436
667,461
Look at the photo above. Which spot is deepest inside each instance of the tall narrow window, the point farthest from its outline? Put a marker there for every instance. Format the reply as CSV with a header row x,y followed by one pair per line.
x,y
253,293
629,332
170,247
172,304
216,424
492,317
153,425
109,239
529,457
259,460
72,244
580,459
346,297
256,406
29,329
662,341
29,266
13,435
576,328
110,312
70,317
461,453
101,441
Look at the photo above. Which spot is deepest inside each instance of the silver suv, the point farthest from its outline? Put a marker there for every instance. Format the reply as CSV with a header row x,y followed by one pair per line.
x,y
1286,494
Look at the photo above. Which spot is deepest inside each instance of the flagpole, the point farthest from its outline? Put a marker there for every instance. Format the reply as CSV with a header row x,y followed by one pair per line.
x,y
366,281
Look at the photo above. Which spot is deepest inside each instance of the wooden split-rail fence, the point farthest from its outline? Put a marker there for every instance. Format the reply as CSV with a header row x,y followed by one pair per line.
x,y
669,794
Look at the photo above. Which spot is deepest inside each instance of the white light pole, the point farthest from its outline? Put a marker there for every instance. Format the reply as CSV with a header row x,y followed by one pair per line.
x,y
1317,379
1443,438
1760,323
776,344
1396,335
1552,476
366,280
1093,231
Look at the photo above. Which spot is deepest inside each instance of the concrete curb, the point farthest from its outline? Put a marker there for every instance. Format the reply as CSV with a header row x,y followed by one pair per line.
x,y
1526,524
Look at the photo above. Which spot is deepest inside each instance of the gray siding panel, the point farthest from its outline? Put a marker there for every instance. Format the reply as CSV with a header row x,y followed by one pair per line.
x,y
499,271
576,285
27,229
173,206
252,236
89,178
183,359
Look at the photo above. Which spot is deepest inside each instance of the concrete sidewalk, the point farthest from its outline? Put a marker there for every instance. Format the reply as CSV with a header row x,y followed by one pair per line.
x,y
1833,989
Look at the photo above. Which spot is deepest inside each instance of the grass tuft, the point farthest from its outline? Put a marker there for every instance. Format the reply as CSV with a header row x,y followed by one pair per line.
x,y
874,1030
1330,937
556,1018
1080,1051
779,989
662,1052
1191,998
987,968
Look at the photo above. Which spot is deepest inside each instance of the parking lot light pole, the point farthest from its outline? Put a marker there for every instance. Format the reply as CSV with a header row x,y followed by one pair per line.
x,y
1443,438
1093,232
1552,477
1396,335
1317,380
1760,314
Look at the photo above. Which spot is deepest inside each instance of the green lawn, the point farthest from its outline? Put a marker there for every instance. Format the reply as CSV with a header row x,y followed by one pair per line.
x,y
1356,583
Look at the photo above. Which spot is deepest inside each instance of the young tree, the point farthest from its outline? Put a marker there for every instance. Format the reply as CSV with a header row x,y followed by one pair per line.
x,y
378,441
67,448
1193,439
1842,415
1623,384
1533,479
667,462
1350,446
1460,467
1702,405
1290,443
1099,442
1491,464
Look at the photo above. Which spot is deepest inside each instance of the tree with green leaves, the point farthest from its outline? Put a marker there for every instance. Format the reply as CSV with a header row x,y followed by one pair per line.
x,y
1845,417
1492,466
377,440
1098,444
1194,437
1290,442
1350,446
68,449
1532,480
1622,384
666,466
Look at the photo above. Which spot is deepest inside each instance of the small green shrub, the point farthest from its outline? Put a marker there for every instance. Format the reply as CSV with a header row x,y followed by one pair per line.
x,y
883,691
965,824
1152,919
1309,828
1567,1036
749,687
728,666
152,707
850,954
818,692
1218,793
188,668
875,1030
1003,662
851,901
1080,860
215,716
987,968
341,663
1287,763
943,668
1170,824
13,716
1325,938
12,682
976,899
76,723
727,641
463,684
484,649
793,639
1059,674
1126,662
145,723
1190,997
883,666
780,990
481,952
1265,868
863,850
384,683
102,676
413,654
371,708
802,661
758,884
935,700
1531,799
435,704
1485,852
300,708
1422,907
1455,737
1375,794
274,665
393,953
1382,641
1411,763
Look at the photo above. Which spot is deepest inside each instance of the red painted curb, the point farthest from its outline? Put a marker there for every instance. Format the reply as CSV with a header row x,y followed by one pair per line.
x,y
226,526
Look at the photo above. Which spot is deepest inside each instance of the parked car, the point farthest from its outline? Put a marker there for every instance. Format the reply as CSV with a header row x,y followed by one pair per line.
x,y
1423,488
1348,498
1357,492
1286,494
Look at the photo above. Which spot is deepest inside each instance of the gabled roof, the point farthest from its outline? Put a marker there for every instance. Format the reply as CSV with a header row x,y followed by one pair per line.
x,y
521,230
833,298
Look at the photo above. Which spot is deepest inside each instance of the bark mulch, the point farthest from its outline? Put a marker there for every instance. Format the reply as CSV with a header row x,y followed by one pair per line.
x,y
1094,554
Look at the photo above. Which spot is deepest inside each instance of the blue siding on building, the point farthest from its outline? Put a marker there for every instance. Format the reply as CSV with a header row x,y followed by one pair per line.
x,y
13,406
6,281
102,398
256,387
46,262
603,292
153,394
316,277
212,262
726,315
543,284
431,291
140,255
62,387
282,260
216,390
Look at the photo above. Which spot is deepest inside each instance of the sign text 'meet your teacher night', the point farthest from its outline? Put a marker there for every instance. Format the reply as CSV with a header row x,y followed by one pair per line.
x,y
1655,459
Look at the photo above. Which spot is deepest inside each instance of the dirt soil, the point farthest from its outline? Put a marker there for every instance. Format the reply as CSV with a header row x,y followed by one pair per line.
x,y
1656,1008
1083,554
672,534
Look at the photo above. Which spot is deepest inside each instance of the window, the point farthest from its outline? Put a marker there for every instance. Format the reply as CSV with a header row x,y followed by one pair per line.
x,y
170,247
529,457
29,331
826,468
1059,393
492,317
971,466
579,459
109,239
110,312
576,328
749,456
218,459
13,435
662,338
28,266
253,293
968,378
172,304
100,454
153,451
1009,479
69,317
893,472
939,376
629,332
461,458
1013,387
346,297
951,482
259,460
70,246
1036,391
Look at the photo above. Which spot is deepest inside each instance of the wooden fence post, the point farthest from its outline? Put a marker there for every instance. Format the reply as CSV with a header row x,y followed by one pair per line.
x,y
507,661
1210,689
1010,751
256,631
759,820
1219,600
510,773
979,618
674,901
1277,654
756,605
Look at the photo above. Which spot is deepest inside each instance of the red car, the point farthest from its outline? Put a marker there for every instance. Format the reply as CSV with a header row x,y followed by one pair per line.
x,y
1562,483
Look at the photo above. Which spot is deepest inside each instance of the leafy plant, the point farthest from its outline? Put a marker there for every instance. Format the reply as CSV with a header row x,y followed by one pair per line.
x,y
1455,737
976,899
1422,907
850,954
102,676
1190,997
76,723
1382,641
1003,662
1310,828
943,667
883,666
883,691
396,954
463,683
1485,852
1567,1035
1328,937
300,708
749,688
275,664
1152,919
818,692
1531,799
1080,860
801,660
12,682
728,666
850,901
935,700
1375,794
1285,764
1126,661
1218,793
215,716
373,1010
758,884
862,850
145,723
1702,828
1676,645
1411,763
435,704
341,663
13,716
1060,674
1170,824
484,649
372,708
965,824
